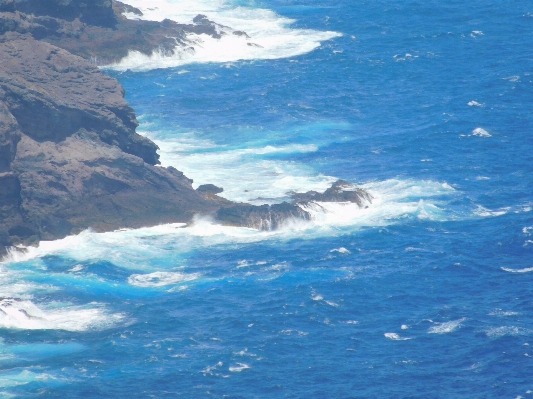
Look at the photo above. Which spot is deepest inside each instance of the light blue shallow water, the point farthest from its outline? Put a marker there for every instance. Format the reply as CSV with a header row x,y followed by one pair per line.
x,y
427,294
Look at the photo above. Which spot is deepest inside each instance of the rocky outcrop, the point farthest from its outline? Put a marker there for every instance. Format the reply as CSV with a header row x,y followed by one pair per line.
x,y
273,217
94,12
340,191
98,31
70,158
263,217
52,94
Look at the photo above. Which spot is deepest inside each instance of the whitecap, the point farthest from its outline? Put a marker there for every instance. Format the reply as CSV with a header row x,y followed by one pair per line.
x,y
341,250
158,279
485,212
497,332
25,315
513,78
500,312
77,268
525,270
446,327
238,367
209,369
474,103
478,131
395,337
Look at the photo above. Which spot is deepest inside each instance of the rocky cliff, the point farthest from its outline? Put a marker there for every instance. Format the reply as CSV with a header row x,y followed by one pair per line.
x,y
97,30
69,154
70,158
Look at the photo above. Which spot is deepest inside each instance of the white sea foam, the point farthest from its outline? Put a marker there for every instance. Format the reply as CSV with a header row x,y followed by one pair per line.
x,y
269,34
525,270
498,332
479,131
238,367
15,377
446,327
474,103
500,312
341,250
258,177
485,212
395,337
393,200
158,279
25,315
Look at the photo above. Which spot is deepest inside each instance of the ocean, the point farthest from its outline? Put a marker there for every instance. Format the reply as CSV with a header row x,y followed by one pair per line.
x,y
425,294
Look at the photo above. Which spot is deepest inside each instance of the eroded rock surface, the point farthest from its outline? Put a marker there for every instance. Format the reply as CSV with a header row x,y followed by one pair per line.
x,y
98,31
263,217
70,158
273,217
69,154
340,191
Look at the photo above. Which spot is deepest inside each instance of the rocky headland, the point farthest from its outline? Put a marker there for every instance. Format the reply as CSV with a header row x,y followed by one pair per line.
x,y
70,158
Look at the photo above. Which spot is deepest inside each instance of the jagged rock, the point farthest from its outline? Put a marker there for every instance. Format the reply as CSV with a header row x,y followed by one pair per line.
x,y
52,94
340,191
94,12
71,158
272,217
241,33
210,189
100,33
263,217
122,8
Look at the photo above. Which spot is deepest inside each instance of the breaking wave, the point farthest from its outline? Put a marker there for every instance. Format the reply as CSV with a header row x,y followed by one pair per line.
x,y
267,34
23,314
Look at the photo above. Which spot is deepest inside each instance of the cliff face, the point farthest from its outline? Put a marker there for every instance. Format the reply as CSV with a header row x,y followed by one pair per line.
x,y
69,155
70,158
94,12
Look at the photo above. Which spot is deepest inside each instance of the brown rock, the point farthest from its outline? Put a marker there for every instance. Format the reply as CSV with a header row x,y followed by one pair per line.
x,y
69,153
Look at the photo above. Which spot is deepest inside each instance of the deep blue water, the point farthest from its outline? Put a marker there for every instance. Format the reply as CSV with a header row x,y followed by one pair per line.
x,y
427,295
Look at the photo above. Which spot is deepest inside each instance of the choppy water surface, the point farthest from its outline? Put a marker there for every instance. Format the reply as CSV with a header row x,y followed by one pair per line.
x,y
425,294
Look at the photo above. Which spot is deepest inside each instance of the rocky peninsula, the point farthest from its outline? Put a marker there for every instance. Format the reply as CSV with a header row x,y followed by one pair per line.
x,y
70,157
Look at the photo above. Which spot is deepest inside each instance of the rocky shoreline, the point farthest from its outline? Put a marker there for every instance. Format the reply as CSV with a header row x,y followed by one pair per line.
x,y
70,158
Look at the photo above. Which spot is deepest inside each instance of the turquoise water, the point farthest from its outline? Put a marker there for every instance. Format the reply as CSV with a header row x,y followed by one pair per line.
x,y
425,294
